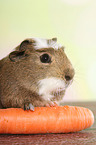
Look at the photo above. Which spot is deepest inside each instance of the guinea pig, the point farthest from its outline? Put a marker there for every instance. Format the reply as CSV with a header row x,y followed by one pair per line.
x,y
36,74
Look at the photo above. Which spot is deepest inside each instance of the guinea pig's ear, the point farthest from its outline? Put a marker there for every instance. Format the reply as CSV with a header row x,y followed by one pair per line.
x,y
22,50
25,44
54,39
17,55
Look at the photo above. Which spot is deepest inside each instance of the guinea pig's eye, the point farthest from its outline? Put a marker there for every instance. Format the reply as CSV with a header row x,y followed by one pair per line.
x,y
45,58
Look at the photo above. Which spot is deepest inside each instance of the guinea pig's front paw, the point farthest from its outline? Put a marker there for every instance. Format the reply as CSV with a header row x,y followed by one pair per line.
x,y
51,104
28,106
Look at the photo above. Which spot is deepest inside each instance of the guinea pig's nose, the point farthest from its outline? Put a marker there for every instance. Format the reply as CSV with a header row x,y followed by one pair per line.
x,y
67,77
69,74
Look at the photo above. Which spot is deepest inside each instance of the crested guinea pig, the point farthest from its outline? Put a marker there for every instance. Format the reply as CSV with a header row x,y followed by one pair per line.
x,y
37,73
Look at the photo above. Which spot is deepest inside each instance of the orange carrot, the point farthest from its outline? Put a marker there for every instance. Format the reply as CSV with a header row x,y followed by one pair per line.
x,y
59,119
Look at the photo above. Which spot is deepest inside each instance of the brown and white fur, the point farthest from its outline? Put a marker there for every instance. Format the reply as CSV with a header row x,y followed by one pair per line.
x,y
26,81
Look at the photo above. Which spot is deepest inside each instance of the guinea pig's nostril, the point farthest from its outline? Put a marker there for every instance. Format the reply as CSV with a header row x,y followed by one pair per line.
x,y
68,78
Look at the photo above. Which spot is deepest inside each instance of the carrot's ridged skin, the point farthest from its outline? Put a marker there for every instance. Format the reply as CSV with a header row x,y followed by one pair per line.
x,y
61,119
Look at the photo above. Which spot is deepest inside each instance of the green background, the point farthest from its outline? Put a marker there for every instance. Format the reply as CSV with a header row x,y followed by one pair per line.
x,y
73,22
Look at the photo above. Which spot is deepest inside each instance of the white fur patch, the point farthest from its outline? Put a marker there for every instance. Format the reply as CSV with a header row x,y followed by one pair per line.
x,y
47,85
43,43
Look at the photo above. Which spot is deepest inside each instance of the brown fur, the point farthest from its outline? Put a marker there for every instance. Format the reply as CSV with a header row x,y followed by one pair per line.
x,y
19,74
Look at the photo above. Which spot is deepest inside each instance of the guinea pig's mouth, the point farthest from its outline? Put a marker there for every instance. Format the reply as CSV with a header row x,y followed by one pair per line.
x,y
58,92
52,88
68,83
